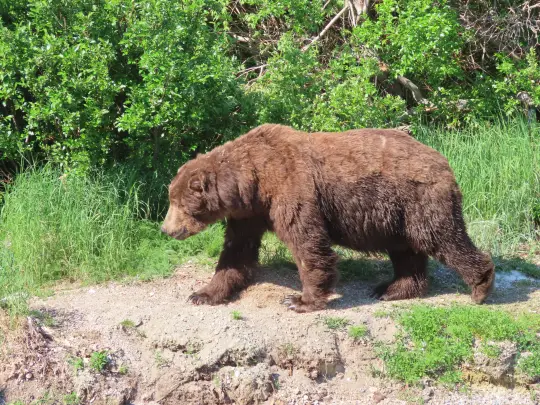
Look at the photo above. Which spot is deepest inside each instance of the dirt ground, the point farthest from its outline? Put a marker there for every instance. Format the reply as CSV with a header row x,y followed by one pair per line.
x,y
161,349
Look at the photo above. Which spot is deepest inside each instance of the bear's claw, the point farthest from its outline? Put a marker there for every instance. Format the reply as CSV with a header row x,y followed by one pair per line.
x,y
295,303
199,299
379,291
290,302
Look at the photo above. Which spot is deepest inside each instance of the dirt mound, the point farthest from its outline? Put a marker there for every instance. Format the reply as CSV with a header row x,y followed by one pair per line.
x,y
143,343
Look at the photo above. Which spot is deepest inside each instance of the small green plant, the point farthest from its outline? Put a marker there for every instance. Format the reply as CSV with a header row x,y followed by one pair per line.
x,y
236,315
191,349
375,371
71,399
160,360
77,363
451,377
45,399
530,363
335,323
358,332
381,313
275,381
99,360
490,350
122,369
289,349
217,381
127,323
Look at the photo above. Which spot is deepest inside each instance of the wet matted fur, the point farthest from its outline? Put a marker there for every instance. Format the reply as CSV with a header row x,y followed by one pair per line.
x,y
375,190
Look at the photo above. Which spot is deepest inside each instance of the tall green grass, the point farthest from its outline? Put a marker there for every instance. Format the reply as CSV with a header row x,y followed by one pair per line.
x,y
85,229
497,168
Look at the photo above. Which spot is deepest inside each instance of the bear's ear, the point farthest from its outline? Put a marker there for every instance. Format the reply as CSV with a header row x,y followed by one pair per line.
x,y
196,183
200,181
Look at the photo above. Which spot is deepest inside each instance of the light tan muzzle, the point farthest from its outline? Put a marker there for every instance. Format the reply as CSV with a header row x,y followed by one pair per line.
x,y
180,226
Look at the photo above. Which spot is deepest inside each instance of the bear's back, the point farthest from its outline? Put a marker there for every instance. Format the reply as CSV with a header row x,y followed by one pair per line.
x,y
347,155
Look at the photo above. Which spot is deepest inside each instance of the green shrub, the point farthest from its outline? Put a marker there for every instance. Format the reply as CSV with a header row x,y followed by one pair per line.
x,y
301,91
90,83
436,341
152,82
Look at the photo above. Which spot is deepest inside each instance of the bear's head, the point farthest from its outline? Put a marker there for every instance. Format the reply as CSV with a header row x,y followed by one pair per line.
x,y
193,200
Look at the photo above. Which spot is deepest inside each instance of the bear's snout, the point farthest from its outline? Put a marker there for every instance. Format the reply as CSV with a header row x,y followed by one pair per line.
x,y
180,234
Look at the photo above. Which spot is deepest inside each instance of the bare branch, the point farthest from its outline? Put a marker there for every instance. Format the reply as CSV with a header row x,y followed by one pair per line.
x,y
326,4
251,69
357,8
325,29
417,94
239,38
524,98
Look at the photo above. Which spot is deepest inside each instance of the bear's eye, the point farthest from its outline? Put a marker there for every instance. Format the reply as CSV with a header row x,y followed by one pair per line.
x,y
194,203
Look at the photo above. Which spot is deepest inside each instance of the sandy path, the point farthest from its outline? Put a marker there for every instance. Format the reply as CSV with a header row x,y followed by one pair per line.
x,y
178,353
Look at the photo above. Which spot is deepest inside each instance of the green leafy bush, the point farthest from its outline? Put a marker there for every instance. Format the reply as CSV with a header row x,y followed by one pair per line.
x,y
152,82
415,38
520,76
301,91
88,83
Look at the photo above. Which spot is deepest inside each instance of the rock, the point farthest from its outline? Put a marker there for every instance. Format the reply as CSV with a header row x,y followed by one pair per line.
x,y
378,397
247,384
496,360
84,383
427,394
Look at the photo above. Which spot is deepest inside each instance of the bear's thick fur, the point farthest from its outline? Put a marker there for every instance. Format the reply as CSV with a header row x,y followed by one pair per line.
x,y
369,190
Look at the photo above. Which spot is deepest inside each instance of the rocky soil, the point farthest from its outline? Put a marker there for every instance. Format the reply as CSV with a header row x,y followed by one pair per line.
x,y
162,350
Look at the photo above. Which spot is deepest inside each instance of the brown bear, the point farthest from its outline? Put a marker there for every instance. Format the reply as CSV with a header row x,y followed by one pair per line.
x,y
372,190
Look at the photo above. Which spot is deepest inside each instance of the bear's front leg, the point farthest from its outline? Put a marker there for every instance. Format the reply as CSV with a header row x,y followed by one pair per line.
x,y
239,256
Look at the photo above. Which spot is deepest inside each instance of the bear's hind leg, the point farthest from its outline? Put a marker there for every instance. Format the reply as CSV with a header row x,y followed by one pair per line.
x,y
410,277
476,268
239,256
